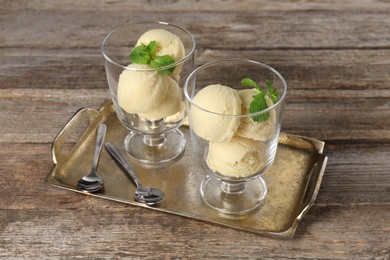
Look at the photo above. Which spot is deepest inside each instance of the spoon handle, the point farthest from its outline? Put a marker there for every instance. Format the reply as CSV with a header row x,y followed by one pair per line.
x,y
99,145
113,151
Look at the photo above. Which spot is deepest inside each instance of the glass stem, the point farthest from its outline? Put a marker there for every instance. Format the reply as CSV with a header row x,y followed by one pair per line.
x,y
154,140
232,187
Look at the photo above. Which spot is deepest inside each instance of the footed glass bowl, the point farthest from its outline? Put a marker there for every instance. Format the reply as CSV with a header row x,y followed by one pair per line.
x,y
234,145
148,101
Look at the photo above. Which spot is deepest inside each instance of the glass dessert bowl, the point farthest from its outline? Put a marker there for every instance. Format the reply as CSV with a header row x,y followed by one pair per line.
x,y
234,111
146,65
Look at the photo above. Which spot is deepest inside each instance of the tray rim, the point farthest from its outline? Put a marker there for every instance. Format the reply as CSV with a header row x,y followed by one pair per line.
x,y
316,172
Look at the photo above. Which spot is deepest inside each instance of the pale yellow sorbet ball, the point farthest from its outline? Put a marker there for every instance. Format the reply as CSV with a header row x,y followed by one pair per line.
x,y
140,91
168,44
170,105
218,99
241,157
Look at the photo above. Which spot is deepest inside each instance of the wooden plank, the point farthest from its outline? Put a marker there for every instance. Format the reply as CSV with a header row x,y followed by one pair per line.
x,y
331,73
29,115
357,173
226,30
354,118
56,69
321,118
133,232
212,5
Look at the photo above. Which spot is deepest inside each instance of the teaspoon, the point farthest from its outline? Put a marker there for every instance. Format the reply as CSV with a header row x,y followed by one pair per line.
x,y
92,182
149,196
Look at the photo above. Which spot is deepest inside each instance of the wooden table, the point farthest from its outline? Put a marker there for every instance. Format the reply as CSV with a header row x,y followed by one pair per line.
x,y
335,56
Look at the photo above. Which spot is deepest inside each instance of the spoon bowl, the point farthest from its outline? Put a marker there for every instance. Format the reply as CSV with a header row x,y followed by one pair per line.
x,y
149,196
93,182
90,185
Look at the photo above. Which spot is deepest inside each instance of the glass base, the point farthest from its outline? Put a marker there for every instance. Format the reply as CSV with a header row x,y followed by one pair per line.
x,y
154,151
233,197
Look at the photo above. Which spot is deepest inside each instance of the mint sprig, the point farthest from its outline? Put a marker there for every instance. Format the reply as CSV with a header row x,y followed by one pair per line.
x,y
259,103
161,61
145,54
248,82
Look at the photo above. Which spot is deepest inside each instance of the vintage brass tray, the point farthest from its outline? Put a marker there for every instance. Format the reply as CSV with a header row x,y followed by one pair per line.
x,y
293,180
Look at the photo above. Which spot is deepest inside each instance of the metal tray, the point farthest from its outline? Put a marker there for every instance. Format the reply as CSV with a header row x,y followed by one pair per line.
x,y
293,180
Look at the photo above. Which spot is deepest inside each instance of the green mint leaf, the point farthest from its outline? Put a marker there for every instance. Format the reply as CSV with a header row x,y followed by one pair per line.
x,y
268,83
144,54
258,104
272,93
152,46
161,61
248,82
140,54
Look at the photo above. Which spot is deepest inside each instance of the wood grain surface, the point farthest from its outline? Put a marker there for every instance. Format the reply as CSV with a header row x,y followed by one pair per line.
x,y
335,56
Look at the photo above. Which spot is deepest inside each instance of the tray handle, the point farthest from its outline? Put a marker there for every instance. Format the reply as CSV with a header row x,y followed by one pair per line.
x,y
82,116
313,184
